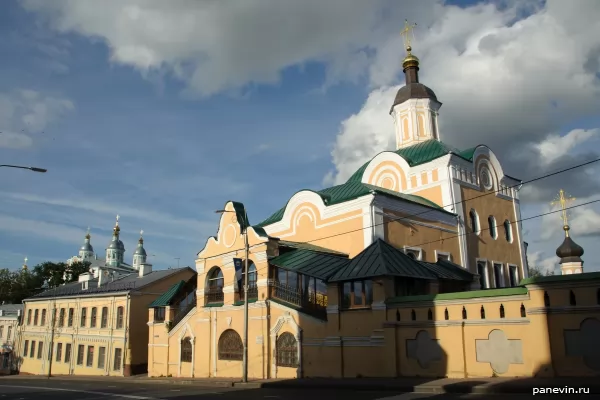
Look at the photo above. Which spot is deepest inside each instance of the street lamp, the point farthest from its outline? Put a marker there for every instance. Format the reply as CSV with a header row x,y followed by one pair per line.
x,y
245,337
34,169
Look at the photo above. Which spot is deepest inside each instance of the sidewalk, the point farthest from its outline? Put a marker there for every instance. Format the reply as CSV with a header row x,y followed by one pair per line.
x,y
417,385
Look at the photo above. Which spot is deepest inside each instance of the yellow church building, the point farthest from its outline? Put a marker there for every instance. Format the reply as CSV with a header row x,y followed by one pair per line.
x,y
413,267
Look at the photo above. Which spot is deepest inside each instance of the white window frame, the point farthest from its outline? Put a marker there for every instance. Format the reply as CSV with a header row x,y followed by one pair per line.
x,y
510,230
477,222
516,267
493,227
486,280
417,250
443,254
502,280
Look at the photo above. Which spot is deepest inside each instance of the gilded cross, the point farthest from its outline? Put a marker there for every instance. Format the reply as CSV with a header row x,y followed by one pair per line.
x,y
25,260
563,200
408,29
117,218
142,232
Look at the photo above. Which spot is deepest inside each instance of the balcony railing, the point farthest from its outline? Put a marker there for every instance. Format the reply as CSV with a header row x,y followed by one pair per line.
x,y
212,296
309,301
182,313
252,292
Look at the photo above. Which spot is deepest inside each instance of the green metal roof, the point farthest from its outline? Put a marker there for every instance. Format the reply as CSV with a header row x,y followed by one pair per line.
x,y
472,294
353,190
382,259
240,212
587,276
448,270
308,246
311,263
164,299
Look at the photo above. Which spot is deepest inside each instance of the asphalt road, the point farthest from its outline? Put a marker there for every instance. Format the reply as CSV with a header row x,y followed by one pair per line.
x,y
23,389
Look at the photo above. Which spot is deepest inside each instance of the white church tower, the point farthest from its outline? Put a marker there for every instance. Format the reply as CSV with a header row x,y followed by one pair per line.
x,y
116,249
86,251
139,256
415,108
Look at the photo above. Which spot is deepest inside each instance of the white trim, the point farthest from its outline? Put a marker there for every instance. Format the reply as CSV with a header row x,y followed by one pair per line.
x,y
185,330
494,232
412,209
387,156
486,277
411,249
519,227
286,318
460,322
477,221
494,264
414,222
516,267
157,345
520,298
443,254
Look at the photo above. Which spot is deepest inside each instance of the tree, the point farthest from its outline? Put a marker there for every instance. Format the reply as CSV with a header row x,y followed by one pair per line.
x,y
76,269
535,272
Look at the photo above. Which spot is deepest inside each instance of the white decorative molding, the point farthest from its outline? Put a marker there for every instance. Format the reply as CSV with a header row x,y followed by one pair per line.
x,y
414,222
183,321
228,319
260,318
563,310
460,322
478,300
157,345
410,208
444,254
186,331
297,330
230,230
202,320
417,250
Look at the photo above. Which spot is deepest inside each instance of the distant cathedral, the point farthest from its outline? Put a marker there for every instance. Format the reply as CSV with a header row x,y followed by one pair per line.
x,y
113,264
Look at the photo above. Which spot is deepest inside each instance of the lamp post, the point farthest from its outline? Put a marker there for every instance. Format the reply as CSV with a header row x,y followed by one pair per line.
x,y
34,169
245,335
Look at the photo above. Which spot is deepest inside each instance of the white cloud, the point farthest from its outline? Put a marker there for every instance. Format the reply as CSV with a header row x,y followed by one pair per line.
x,y
25,113
555,146
545,264
584,220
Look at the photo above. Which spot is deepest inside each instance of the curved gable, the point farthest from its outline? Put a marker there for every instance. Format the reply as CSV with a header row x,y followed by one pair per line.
x,y
484,156
304,204
387,170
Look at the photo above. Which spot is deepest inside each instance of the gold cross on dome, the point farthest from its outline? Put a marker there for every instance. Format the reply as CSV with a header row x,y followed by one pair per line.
x,y
117,218
408,29
25,260
142,232
563,200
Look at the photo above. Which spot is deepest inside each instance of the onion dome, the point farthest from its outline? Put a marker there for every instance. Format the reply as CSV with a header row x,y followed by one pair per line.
x,y
569,251
87,246
140,247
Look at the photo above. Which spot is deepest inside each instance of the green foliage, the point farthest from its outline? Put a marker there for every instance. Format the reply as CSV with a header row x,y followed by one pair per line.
x,y
20,284
535,272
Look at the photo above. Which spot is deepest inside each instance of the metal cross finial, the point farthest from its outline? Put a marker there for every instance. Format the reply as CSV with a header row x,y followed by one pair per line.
x,y
117,218
88,230
563,200
25,260
408,29
142,232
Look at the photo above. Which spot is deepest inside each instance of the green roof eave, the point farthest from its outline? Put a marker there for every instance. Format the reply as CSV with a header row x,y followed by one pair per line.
x,y
587,276
278,215
311,263
309,246
165,299
409,197
514,291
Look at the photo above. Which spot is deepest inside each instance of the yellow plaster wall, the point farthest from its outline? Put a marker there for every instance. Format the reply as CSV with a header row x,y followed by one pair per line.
x,y
432,194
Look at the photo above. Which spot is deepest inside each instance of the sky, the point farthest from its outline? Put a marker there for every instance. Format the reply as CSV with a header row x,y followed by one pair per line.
x,y
161,112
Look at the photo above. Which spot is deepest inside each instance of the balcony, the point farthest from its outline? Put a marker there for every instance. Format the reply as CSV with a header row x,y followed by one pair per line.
x,y
214,296
181,313
252,292
309,302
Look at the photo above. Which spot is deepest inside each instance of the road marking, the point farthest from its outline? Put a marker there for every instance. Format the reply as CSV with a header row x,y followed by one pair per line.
x,y
125,396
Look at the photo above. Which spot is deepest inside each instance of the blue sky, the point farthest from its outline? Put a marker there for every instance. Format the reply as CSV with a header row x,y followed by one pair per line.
x,y
159,121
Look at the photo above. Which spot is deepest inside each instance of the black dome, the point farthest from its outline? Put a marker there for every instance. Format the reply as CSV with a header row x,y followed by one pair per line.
x,y
569,251
413,91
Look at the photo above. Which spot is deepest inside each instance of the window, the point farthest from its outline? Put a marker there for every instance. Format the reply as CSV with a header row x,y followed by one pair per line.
x,y
58,352
28,317
35,317
186,350
513,275
25,348
546,299
90,356
43,321
70,318
93,317
120,317
101,357
444,257
482,312
357,294
1,331
286,351
40,349
415,254
481,270
32,350
230,346
61,318
8,332
572,299
502,311
498,281
410,287
117,360
474,221
104,318
80,350
83,317
214,294
508,231
492,226
68,353
159,314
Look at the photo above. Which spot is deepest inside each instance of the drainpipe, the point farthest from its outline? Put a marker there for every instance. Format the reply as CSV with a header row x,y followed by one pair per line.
x,y
126,326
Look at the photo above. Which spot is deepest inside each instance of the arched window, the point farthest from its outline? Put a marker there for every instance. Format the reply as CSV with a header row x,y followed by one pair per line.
x,y
430,315
446,315
501,311
35,317
523,312
572,299
482,312
93,317
464,313
474,220
119,317
186,350
546,299
28,317
287,351
508,231
214,283
251,274
413,315
252,277
104,318
492,226
231,347
43,321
